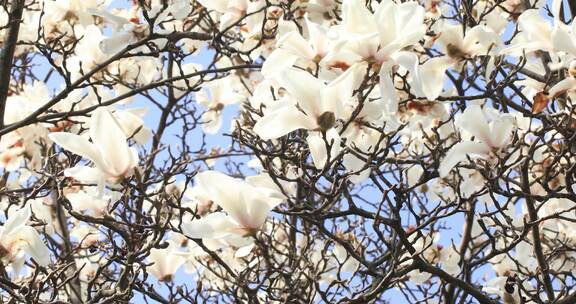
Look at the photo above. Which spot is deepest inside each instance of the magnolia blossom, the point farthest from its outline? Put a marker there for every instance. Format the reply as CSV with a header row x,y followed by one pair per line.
x,y
317,109
380,39
218,95
293,46
457,46
113,159
538,35
17,239
489,137
246,207
165,261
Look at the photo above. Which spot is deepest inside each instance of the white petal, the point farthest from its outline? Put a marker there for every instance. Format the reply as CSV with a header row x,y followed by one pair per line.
x,y
473,121
432,74
226,192
110,140
354,164
317,149
304,87
214,225
357,18
34,245
258,205
318,37
294,43
180,9
534,25
562,39
78,145
278,61
501,129
317,146
115,43
339,91
85,174
281,122
409,61
17,220
388,91
459,152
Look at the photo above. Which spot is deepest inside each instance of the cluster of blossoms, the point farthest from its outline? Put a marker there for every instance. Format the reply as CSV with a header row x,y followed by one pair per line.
x,y
282,151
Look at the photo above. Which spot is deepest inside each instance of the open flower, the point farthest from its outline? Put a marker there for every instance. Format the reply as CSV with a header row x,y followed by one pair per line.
x,y
219,95
246,207
318,107
165,261
113,159
381,39
293,46
489,137
17,238
457,47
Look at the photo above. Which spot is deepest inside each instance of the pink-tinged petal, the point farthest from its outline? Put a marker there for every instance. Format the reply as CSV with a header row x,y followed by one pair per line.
x,y
304,87
283,121
78,145
278,61
33,245
432,74
214,225
568,83
460,152
473,121
110,140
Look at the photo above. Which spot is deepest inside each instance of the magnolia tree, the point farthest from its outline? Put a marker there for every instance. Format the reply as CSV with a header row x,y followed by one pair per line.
x,y
287,151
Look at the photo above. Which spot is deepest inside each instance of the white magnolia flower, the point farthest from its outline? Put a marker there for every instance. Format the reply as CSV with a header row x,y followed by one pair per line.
x,y
457,46
381,39
489,137
538,35
217,95
17,238
246,207
113,159
293,46
165,261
